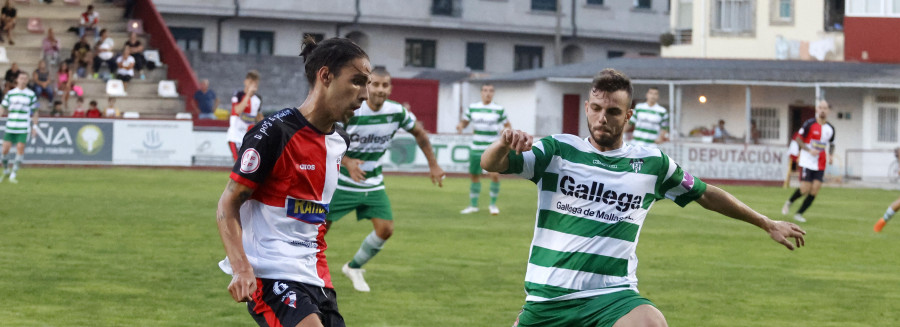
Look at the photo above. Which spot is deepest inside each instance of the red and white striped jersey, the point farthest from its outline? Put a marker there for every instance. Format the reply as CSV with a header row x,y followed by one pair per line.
x,y
237,127
293,169
819,137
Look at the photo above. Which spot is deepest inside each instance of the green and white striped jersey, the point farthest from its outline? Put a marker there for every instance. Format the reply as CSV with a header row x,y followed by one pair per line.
x,y
20,105
487,121
591,206
370,136
648,121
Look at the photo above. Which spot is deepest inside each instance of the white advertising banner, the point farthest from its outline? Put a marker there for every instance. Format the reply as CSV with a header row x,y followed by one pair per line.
x,y
211,149
730,161
153,142
451,151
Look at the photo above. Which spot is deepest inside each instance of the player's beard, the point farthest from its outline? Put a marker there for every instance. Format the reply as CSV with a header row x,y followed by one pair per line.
x,y
608,139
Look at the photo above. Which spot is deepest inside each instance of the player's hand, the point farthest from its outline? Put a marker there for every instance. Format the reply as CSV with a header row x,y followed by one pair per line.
x,y
459,129
782,230
352,165
814,152
516,140
437,176
242,286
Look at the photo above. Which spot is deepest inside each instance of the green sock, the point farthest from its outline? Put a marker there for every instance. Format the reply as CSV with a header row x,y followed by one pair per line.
x,y
474,192
369,248
495,191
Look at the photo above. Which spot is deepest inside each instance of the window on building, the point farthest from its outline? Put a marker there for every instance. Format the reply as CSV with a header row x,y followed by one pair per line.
x,y
420,53
187,38
834,15
614,54
446,8
256,42
475,55
767,122
528,57
642,4
785,9
781,12
887,124
316,36
595,2
733,16
544,5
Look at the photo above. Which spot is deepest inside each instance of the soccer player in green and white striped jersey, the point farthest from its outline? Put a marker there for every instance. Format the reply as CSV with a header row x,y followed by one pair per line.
x,y
650,121
594,195
20,104
361,184
487,119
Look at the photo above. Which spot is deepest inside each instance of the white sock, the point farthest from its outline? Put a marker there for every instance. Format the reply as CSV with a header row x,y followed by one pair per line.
x,y
888,214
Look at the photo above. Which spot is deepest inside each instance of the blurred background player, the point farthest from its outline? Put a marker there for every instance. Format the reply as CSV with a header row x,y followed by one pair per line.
x,y
20,105
245,106
487,119
271,215
892,209
650,123
582,265
361,184
814,137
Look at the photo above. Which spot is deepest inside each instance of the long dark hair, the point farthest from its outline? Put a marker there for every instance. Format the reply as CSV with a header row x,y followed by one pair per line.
x,y
333,53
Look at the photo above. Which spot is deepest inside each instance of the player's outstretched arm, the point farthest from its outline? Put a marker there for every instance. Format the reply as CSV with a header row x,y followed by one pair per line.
x,y
716,199
243,281
437,173
462,125
495,158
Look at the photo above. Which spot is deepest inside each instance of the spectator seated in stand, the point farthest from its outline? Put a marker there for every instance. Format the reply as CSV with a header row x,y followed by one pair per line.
x,y
720,135
93,111
206,100
57,109
11,74
89,20
81,57
111,111
64,81
136,48
125,64
50,47
104,54
42,81
79,108
7,22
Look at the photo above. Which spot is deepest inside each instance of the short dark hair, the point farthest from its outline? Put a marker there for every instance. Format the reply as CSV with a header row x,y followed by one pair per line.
x,y
252,75
486,84
653,88
611,80
93,102
90,7
380,71
333,53
57,102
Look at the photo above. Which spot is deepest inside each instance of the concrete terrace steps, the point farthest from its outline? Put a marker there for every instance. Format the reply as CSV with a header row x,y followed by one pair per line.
x,y
63,24
67,40
154,76
137,87
59,11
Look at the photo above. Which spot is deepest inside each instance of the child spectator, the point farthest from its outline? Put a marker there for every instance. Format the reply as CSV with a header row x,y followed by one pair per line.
x,y
89,21
64,81
79,108
50,47
81,56
136,49
41,78
111,111
93,111
57,109
125,62
104,50
7,22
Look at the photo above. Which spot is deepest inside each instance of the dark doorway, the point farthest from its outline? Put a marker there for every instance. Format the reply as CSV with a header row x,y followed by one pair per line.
x,y
798,115
571,116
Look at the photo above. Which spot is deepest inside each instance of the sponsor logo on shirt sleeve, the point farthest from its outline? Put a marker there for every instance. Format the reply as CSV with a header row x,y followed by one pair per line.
x,y
250,161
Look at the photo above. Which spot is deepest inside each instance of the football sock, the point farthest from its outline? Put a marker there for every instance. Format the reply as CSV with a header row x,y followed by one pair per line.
x,y
495,190
796,196
369,248
888,214
474,192
17,163
806,202
5,160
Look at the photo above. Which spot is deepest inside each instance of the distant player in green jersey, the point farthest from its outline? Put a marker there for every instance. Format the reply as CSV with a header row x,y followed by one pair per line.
x,y
487,119
20,105
594,195
650,121
361,184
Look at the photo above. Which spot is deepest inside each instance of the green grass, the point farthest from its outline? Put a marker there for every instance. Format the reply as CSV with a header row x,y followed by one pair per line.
x,y
112,247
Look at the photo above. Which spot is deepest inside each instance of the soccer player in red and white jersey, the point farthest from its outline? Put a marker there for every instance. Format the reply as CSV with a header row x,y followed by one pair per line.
x,y
271,215
816,135
244,112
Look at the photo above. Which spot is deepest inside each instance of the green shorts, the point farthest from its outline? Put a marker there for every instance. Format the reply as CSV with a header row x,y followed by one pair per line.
x,y
475,162
601,311
15,138
368,205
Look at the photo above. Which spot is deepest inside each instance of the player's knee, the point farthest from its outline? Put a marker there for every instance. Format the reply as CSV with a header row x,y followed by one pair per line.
x,y
384,231
643,316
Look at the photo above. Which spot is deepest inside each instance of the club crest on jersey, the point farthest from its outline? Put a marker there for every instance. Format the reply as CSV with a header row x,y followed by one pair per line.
x,y
250,161
636,164
290,299
306,211
389,118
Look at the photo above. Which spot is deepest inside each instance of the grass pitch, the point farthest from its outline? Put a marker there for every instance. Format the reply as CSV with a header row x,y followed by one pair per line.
x,y
116,246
